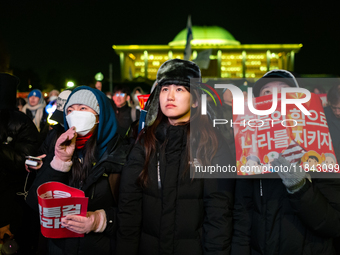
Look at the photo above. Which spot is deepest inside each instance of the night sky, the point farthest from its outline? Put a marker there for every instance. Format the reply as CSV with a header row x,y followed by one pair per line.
x,y
66,39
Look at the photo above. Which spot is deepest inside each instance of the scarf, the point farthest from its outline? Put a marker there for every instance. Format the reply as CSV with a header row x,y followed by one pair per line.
x,y
81,140
39,108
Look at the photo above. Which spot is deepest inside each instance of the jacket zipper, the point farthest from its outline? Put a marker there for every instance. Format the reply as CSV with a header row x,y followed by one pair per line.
x,y
158,173
261,191
94,186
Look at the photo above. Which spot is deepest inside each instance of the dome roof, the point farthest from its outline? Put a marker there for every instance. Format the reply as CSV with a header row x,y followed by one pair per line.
x,y
213,35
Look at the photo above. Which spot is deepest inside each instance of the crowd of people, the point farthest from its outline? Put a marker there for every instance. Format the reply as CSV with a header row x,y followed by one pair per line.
x,y
144,196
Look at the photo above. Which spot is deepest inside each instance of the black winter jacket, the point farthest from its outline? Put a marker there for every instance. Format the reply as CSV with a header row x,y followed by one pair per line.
x,y
268,220
97,189
177,214
18,138
334,129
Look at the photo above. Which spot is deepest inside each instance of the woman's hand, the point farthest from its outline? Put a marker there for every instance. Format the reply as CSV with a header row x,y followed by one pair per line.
x,y
94,221
28,168
65,145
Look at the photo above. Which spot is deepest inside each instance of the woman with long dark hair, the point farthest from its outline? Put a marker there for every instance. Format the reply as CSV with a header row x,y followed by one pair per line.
x,y
165,207
87,156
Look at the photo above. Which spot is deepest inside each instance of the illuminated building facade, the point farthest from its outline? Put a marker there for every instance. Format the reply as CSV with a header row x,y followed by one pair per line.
x,y
229,58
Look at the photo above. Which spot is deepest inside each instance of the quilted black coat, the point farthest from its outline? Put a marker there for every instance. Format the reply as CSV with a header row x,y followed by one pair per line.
x,y
268,220
175,214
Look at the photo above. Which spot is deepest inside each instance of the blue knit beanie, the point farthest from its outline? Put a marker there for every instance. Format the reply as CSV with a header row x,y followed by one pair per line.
x,y
35,92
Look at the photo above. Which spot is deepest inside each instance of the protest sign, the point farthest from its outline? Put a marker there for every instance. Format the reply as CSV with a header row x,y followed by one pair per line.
x,y
259,139
323,98
56,200
142,100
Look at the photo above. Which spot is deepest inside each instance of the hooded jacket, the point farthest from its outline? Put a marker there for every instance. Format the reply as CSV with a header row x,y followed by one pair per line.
x,y
112,152
269,220
174,214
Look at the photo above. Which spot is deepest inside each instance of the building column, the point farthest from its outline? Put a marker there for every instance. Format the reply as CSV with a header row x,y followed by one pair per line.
x,y
292,56
268,56
244,58
122,66
219,59
194,54
146,61
170,54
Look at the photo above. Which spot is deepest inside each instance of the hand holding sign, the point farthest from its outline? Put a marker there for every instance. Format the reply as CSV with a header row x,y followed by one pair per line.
x,y
66,144
94,221
293,177
57,202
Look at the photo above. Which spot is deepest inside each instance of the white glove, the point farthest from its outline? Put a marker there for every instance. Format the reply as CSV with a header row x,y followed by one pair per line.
x,y
294,179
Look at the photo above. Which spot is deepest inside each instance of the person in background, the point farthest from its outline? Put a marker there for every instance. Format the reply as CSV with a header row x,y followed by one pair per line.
x,y
88,156
162,209
123,111
35,109
53,95
332,112
285,212
18,138
57,129
109,95
20,103
98,85
227,113
134,102
319,90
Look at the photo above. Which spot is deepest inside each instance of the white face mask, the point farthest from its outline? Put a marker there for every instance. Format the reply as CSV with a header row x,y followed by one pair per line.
x,y
83,121
52,98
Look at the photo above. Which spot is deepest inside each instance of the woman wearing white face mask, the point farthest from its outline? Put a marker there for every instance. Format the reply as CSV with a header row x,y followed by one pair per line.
x,y
86,156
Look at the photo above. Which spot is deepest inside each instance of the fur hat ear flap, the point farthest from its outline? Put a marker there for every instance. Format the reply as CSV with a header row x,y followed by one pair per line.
x,y
152,107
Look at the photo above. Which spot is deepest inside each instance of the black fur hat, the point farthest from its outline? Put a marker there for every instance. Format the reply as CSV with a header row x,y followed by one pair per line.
x,y
178,72
174,71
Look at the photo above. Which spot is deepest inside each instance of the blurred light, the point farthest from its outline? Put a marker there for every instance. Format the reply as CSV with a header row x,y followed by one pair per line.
x,y
132,56
29,86
70,84
99,76
45,94
51,122
139,63
50,108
